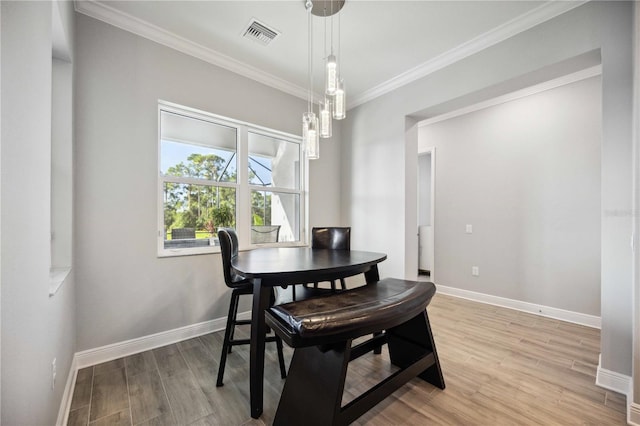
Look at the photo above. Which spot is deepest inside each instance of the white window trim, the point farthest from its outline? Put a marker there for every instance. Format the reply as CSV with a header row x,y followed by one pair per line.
x,y
243,188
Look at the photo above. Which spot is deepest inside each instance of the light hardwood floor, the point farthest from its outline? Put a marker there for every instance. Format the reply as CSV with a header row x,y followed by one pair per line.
x,y
501,367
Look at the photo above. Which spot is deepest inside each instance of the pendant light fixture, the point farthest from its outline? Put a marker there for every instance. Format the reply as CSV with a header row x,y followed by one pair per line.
x,y
340,96
324,108
325,118
334,104
310,134
339,101
331,74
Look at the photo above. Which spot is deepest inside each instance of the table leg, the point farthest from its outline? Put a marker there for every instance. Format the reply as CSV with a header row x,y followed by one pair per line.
x,y
372,275
258,330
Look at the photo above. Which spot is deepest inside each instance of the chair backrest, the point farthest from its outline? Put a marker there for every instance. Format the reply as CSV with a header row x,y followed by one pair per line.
x,y
264,233
334,238
229,249
183,233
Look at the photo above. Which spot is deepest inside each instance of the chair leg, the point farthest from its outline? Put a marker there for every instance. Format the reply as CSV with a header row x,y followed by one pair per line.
x,y
333,285
283,369
235,301
378,349
343,284
227,337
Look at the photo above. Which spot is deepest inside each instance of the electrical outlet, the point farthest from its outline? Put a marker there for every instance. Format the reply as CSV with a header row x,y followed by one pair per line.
x,y
469,229
53,373
475,271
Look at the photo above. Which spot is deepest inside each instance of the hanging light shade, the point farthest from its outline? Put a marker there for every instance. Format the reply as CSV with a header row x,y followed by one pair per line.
x,y
340,101
310,131
310,135
332,75
325,119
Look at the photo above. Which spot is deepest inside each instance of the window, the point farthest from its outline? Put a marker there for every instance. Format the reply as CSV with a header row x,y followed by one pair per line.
x,y
218,172
274,163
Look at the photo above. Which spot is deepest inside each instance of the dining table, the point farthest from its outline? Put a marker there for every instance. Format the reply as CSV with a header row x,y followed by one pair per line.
x,y
283,266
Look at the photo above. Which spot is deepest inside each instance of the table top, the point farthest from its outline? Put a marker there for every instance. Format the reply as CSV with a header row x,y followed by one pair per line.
x,y
289,265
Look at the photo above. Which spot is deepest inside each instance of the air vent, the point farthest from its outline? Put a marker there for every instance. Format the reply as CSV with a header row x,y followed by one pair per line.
x,y
260,32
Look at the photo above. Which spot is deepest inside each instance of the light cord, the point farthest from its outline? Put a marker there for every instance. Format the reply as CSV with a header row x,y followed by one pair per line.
x,y
309,6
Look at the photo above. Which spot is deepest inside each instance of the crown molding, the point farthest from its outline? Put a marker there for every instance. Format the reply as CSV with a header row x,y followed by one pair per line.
x,y
105,13
518,94
502,32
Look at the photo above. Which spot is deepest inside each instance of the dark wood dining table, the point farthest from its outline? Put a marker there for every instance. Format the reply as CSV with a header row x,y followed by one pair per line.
x,y
270,267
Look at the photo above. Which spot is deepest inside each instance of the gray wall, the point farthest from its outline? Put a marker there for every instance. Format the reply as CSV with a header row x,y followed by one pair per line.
x,y
35,327
378,154
635,413
124,290
526,175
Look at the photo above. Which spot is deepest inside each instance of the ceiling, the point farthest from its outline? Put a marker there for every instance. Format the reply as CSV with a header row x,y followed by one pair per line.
x,y
383,44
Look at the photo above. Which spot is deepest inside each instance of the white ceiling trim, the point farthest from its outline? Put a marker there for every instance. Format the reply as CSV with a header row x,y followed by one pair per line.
x,y
152,32
500,33
532,90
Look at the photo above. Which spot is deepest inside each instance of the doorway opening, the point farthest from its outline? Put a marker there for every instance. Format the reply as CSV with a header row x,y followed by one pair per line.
x,y
426,209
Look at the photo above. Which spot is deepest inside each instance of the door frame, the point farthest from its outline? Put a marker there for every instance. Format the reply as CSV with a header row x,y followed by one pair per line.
x,y
422,152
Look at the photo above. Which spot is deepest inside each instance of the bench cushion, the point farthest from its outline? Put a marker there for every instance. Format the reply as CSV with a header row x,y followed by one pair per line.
x,y
350,314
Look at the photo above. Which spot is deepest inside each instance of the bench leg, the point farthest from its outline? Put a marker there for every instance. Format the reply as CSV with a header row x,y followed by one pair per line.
x,y
412,340
312,394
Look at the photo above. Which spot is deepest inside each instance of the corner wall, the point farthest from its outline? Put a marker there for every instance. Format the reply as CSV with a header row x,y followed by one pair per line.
x,y
526,175
376,155
35,327
124,290
634,409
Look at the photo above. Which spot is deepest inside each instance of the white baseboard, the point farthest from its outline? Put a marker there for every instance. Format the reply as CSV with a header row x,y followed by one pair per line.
x,y
145,343
633,414
622,384
130,347
65,405
545,311
613,381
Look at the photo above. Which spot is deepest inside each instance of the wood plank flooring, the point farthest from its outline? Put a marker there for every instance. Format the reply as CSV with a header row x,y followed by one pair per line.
x,y
501,367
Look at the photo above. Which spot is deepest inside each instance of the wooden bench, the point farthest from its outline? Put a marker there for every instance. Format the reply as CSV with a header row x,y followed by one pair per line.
x,y
322,331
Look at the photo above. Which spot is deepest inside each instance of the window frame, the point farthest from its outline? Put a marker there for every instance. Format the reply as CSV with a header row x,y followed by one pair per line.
x,y
242,186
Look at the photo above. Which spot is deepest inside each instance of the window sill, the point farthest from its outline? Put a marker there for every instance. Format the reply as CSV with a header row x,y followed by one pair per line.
x,y
57,276
276,245
187,251
177,252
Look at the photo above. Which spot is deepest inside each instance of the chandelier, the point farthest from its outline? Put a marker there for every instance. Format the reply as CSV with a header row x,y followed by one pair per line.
x,y
333,104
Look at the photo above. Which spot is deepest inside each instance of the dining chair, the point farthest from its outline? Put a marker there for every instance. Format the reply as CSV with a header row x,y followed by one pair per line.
x,y
332,238
183,233
240,286
264,234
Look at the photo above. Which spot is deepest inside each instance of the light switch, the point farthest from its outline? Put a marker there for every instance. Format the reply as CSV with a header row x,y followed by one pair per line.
x,y
475,271
469,229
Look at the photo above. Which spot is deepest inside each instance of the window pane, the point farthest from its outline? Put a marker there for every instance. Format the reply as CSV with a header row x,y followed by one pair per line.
x,y
275,217
193,213
273,162
197,148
